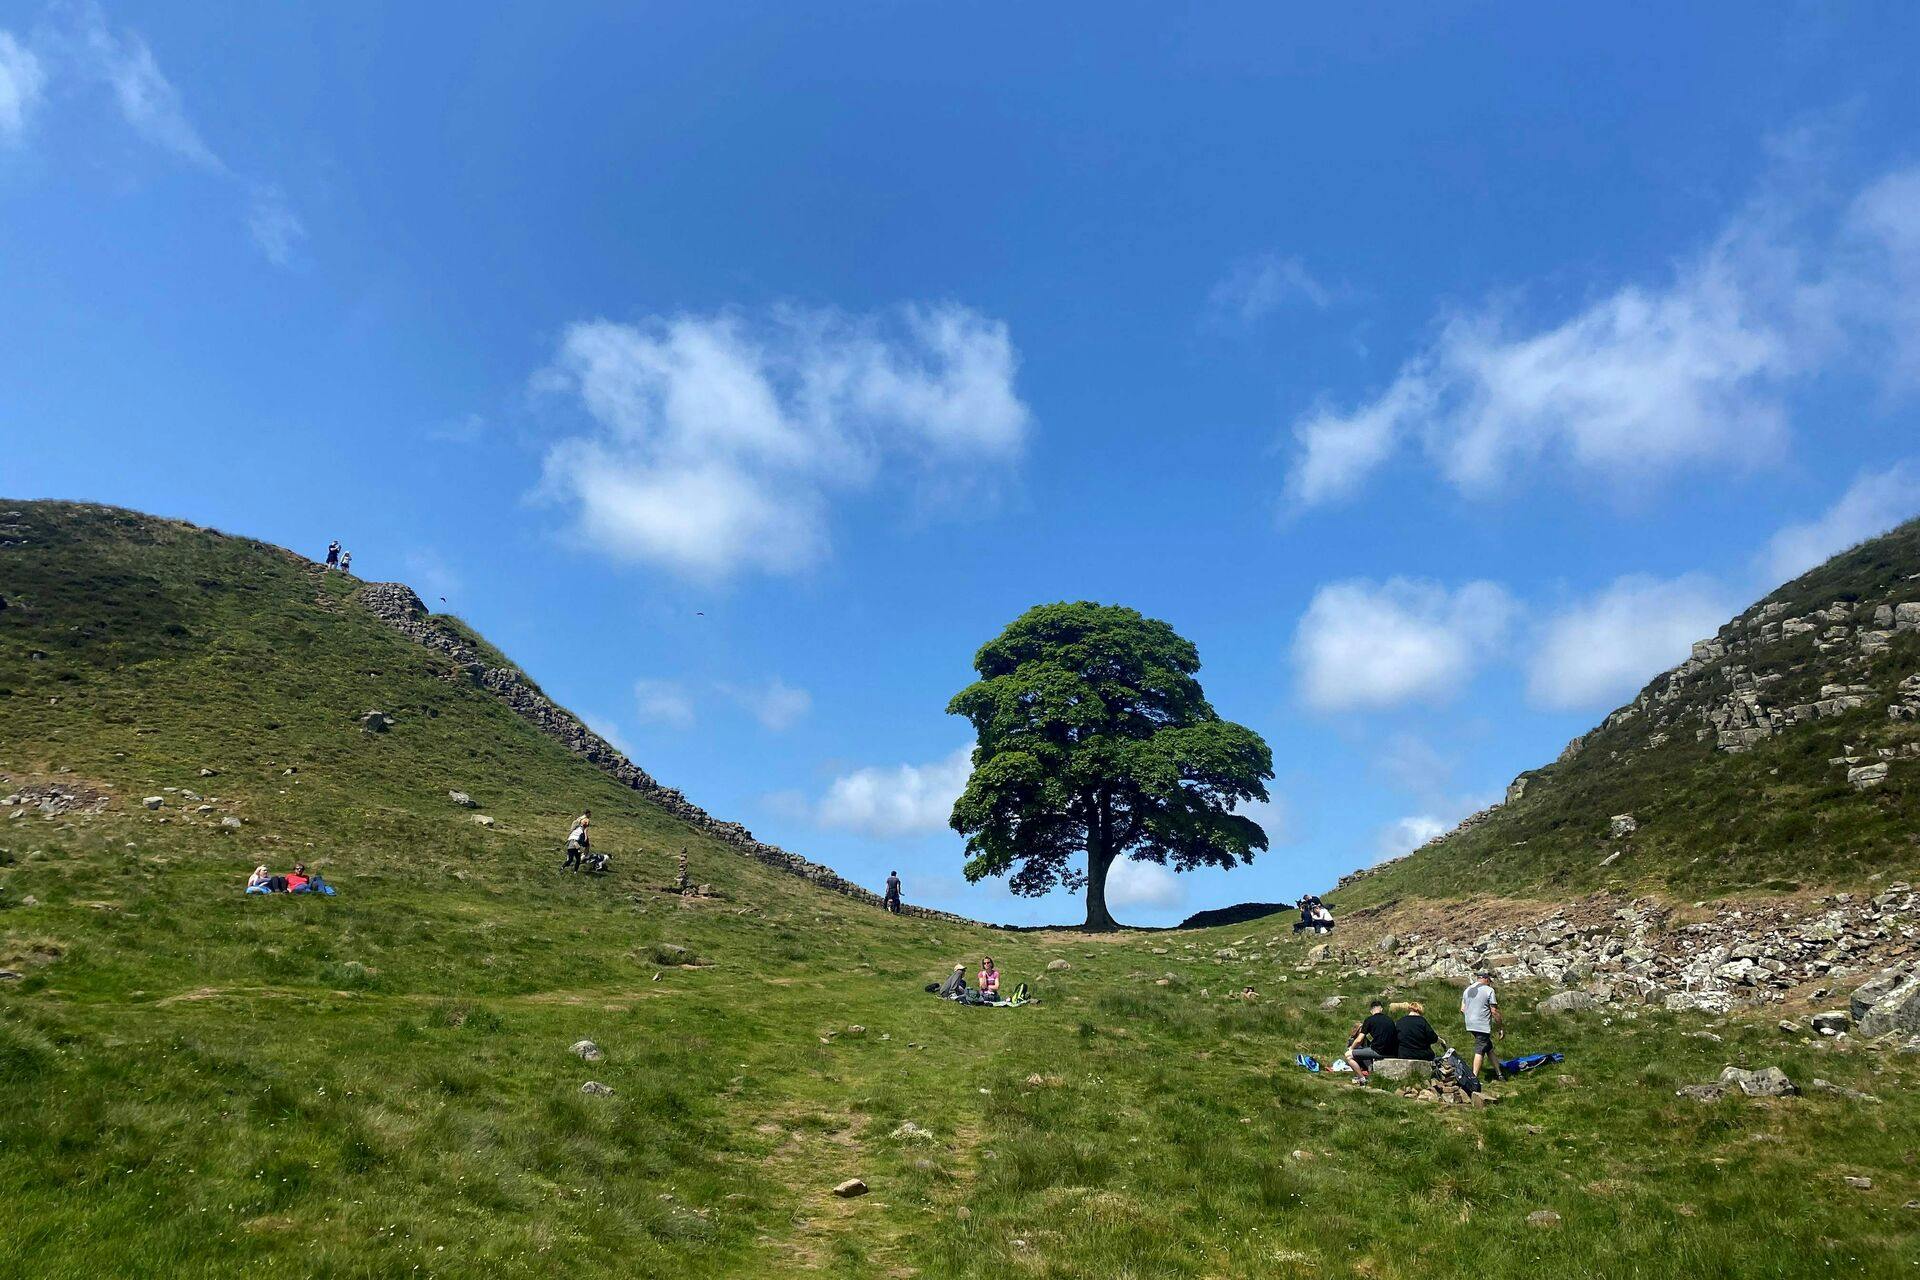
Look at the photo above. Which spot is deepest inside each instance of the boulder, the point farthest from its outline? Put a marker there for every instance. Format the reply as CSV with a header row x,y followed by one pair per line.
x,y
376,722
596,1089
1566,1002
1858,1184
1698,1002
1892,1007
1623,824
153,802
1331,1002
1700,1092
209,773
1387,944
484,820
1861,777
1543,1218
1768,1082
850,1188
1058,966
1833,1022
1403,1069
586,1049
1319,953
229,821
462,799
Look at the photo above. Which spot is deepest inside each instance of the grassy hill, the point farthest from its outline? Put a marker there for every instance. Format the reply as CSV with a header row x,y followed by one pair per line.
x,y
198,1083
1735,766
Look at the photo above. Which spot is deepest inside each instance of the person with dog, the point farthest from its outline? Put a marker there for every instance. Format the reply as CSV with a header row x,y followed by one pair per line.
x,y
578,842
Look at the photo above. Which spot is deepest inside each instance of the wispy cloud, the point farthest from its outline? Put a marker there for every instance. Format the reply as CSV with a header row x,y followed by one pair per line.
x,y
890,801
430,571
1653,377
717,443
1367,645
663,702
276,231
1143,884
22,82
148,100
1873,503
1256,287
776,704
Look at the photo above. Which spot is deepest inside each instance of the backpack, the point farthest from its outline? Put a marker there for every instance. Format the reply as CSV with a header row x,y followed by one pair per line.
x,y
1462,1073
1306,1060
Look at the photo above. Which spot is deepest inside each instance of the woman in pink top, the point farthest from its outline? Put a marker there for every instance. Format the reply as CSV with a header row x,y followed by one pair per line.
x,y
989,979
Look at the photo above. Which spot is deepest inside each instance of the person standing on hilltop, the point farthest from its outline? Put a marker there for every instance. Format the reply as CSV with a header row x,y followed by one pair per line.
x,y
346,561
1480,1010
333,554
893,892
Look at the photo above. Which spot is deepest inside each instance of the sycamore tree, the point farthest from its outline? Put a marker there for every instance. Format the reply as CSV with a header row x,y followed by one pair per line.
x,y
1094,738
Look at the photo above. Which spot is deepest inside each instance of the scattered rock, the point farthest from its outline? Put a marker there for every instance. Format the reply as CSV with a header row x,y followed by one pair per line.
x,y
1058,966
1768,1082
911,1132
1851,1095
229,821
597,1089
1698,1002
1386,945
1623,825
1543,1218
1317,954
850,1188
484,820
1701,1092
1833,1022
1890,1002
153,802
376,722
1566,1002
1861,777
462,799
1331,1002
586,1049
1859,1184
209,773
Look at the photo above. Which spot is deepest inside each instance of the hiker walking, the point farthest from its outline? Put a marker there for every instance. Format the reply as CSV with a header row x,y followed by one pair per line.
x,y
1480,1010
578,841
1373,1038
893,892
333,554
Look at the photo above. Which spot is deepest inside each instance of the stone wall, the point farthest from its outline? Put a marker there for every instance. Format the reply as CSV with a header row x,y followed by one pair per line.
x,y
396,605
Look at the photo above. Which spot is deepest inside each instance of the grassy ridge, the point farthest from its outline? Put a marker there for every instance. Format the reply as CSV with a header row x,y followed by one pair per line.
x,y
1780,816
197,1083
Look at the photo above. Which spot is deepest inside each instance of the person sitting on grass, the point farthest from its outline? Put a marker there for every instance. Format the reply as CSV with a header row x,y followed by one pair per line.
x,y
1374,1038
989,979
260,881
1414,1035
297,880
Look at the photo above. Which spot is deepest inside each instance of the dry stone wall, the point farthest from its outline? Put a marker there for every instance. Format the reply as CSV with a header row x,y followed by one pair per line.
x,y
396,605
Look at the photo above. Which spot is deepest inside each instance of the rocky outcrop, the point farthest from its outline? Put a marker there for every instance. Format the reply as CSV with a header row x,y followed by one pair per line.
x,y
395,604
1603,950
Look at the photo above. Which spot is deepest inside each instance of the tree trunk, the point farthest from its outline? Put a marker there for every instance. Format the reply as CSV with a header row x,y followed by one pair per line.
x,y
1099,859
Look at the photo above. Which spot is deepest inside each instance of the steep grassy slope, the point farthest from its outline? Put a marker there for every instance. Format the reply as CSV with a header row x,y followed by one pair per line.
x,y
197,1083
1735,766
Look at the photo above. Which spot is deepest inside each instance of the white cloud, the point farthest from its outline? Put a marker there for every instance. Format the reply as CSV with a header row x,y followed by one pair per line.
x,y
899,800
1407,834
608,729
276,231
717,441
147,99
663,702
1872,504
1143,884
22,80
1272,816
776,704
1367,645
1651,378
1258,286
1599,651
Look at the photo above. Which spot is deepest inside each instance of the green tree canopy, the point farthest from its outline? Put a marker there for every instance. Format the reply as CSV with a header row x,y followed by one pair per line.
x,y
1094,737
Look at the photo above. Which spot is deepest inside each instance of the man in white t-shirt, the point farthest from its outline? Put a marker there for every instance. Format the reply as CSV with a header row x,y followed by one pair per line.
x,y
1480,1010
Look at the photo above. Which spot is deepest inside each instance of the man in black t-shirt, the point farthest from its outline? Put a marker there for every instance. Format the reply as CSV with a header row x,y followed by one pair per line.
x,y
1374,1038
1415,1034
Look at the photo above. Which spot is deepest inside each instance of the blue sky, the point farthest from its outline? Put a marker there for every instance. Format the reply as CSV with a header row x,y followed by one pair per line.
x,y
1441,371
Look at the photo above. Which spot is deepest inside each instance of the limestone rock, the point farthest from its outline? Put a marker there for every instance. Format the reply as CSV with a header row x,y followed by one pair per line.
x,y
209,773
376,722
229,821
1331,1002
586,1049
1623,824
1387,944
1891,1006
1835,1021
1058,966
1543,1218
1403,1069
596,1089
1698,1002
1768,1082
1861,777
462,799
484,820
1566,1002
1700,1092
850,1188
153,802
1858,1184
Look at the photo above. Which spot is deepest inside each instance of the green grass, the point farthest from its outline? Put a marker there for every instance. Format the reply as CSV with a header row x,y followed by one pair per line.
x,y
198,1083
